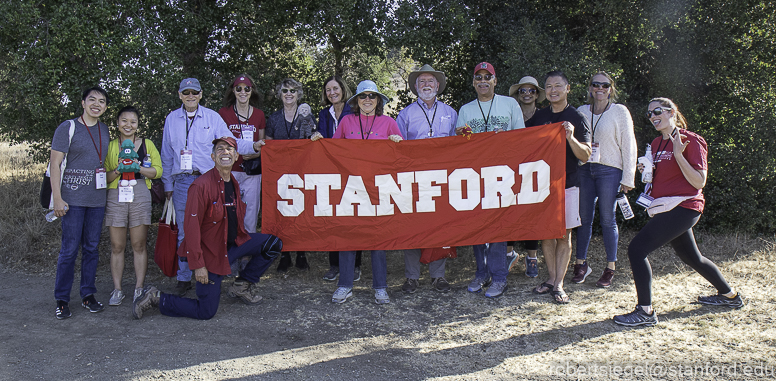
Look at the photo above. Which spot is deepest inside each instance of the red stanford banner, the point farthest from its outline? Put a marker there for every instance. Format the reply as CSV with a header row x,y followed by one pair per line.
x,y
343,194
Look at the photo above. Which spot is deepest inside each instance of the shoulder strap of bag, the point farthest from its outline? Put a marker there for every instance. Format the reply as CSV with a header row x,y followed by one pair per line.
x,y
64,162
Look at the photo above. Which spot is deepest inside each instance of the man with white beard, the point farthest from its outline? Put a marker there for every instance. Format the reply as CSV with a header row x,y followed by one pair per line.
x,y
423,119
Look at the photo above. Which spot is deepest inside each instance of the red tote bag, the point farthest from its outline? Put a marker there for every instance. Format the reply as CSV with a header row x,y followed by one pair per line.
x,y
166,250
430,255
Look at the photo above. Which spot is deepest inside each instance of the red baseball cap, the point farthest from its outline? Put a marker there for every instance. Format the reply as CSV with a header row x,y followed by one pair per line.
x,y
226,139
485,66
244,80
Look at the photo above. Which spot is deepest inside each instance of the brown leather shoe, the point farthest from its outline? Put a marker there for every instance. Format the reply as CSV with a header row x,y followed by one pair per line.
x,y
242,290
606,278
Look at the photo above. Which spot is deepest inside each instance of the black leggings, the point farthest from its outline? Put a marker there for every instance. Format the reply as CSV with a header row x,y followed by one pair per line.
x,y
674,227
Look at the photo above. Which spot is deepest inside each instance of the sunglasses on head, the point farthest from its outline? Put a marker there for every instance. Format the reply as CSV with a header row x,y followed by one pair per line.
x,y
526,91
241,89
292,91
657,111
601,85
480,77
370,96
190,92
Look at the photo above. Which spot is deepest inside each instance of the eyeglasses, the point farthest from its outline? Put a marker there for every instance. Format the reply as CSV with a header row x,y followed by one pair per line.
x,y
190,92
480,77
657,111
526,91
370,96
292,91
241,89
600,85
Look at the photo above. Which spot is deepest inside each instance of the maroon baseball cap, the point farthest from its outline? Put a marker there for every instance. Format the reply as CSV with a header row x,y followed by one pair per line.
x,y
485,66
226,139
244,80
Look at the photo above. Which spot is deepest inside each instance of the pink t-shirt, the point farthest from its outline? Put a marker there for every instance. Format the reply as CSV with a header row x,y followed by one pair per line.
x,y
366,127
668,179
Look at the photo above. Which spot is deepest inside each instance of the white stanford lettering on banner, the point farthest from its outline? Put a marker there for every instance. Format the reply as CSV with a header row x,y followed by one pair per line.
x,y
491,188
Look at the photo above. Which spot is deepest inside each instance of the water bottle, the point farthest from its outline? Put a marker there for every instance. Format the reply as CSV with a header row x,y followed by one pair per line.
x,y
51,216
625,207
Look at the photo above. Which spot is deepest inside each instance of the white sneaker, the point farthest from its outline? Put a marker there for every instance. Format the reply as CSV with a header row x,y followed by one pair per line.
x,y
381,296
341,295
116,296
138,292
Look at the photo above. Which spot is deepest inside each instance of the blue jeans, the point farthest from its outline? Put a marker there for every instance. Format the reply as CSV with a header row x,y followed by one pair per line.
x,y
81,226
491,261
347,267
262,248
180,193
598,182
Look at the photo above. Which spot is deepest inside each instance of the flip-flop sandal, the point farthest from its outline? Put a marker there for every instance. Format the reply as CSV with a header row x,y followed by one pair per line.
x,y
560,297
546,286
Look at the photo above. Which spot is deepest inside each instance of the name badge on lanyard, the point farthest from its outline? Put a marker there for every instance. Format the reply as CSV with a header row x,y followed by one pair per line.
x,y
187,159
247,132
126,193
595,154
100,179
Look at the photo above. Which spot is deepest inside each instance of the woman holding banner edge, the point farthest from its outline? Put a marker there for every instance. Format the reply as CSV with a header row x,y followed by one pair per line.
x,y
368,123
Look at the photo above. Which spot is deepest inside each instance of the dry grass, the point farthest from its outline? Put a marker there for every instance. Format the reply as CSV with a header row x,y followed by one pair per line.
x,y
465,336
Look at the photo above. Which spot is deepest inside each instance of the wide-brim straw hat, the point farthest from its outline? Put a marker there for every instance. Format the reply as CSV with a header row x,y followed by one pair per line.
x,y
370,86
528,80
427,69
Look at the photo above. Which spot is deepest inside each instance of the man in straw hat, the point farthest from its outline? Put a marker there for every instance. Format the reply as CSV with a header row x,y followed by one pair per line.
x,y
489,112
423,119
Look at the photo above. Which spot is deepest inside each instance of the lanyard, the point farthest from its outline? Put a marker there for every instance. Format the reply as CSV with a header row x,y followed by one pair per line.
x,y
188,126
288,127
99,131
239,117
362,127
430,124
592,117
487,120
648,188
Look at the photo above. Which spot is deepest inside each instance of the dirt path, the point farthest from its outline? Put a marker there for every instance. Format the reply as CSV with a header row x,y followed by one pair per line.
x,y
297,334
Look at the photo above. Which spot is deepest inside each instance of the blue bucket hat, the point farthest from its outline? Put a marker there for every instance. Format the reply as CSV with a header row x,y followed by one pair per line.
x,y
189,84
370,86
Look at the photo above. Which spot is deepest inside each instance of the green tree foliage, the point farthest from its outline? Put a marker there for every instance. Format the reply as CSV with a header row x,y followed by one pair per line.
x,y
716,59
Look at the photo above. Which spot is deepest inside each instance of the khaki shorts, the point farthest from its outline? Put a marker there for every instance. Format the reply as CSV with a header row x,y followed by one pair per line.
x,y
129,214
572,208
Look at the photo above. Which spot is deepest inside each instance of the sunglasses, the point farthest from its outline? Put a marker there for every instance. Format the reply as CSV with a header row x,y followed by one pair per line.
x,y
601,85
190,92
480,77
526,91
370,96
292,91
657,111
241,89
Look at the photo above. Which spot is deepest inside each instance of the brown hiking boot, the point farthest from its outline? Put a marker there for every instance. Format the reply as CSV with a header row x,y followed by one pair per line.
x,y
581,272
242,290
606,278
147,300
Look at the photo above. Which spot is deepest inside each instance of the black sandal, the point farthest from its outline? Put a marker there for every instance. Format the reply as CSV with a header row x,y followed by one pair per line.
x,y
546,286
560,297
